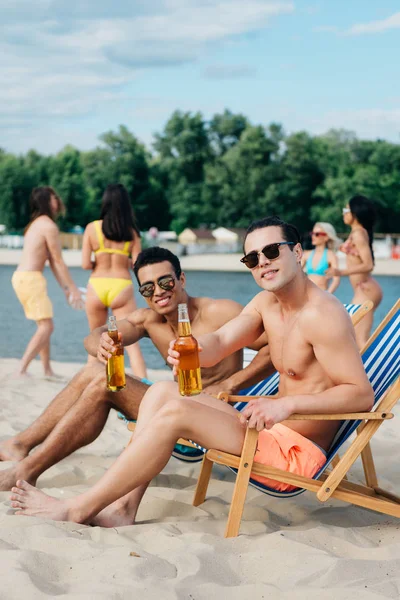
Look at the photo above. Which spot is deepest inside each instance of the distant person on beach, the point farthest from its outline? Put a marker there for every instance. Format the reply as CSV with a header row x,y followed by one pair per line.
x,y
360,214
42,243
115,242
77,415
312,345
316,262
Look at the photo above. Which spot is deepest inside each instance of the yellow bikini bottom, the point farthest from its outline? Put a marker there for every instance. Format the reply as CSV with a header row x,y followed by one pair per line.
x,y
108,288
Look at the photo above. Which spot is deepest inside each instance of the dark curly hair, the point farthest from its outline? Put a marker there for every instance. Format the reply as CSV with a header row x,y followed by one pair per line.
x,y
154,255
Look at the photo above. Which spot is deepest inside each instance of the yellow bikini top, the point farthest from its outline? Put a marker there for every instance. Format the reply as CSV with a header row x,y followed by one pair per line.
x,y
102,248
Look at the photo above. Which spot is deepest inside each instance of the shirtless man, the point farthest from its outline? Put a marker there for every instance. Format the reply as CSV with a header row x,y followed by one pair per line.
x,y
42,243
305,328
78,414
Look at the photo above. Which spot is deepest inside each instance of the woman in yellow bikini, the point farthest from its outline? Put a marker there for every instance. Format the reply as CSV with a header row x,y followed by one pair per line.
x,y
42,244
115,242
360,215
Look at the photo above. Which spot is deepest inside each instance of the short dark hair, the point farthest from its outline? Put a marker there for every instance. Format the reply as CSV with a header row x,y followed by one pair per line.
x,y
290,233
154,255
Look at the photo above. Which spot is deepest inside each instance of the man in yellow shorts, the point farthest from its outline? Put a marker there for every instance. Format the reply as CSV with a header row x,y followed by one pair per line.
x,y
42,244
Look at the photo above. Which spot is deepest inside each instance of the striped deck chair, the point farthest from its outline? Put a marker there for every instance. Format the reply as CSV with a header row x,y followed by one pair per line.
x,y
381,358
189,452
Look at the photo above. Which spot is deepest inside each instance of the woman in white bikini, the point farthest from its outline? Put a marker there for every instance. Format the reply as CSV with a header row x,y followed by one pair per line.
x,y
316,262
360,215
115,242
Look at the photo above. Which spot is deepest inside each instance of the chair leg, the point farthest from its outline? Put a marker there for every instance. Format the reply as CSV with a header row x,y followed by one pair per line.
x,y
371,478
203,481
241,484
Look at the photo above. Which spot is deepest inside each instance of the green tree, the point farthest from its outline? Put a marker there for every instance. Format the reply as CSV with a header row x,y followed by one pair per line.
x,y
66,176
16,183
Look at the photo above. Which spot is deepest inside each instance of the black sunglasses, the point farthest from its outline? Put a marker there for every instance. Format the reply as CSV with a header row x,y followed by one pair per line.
x,y
270,251
166,282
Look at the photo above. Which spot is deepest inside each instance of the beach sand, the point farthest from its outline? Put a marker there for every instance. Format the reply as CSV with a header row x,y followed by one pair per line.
x,y
290,549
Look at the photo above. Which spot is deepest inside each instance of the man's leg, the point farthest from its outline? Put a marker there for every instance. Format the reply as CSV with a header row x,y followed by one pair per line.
x,y
19,446
179,417
124,510
80,426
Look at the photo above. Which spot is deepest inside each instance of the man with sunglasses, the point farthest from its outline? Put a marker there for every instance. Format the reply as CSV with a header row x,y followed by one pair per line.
x,y
312,344
78,414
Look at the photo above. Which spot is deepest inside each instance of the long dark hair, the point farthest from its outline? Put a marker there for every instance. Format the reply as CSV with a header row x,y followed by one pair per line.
x,y
119,223
39,202
364,211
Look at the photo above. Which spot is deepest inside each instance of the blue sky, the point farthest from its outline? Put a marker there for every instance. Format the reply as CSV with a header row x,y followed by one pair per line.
x,y
70,72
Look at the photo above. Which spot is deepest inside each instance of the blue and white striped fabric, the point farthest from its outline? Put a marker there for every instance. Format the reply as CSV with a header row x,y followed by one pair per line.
x,y
382,364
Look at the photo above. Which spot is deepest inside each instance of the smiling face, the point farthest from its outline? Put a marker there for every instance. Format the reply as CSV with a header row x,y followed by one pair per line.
x,y
162,301
273,275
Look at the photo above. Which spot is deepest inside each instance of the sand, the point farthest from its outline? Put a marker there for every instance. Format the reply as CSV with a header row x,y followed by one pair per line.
x,y
290,549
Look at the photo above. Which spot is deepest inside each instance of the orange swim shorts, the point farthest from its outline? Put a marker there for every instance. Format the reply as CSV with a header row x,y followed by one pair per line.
x,y
285,449
31,290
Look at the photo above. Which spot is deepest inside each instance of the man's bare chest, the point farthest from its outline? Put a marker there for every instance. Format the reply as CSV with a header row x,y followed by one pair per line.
x,y
290,352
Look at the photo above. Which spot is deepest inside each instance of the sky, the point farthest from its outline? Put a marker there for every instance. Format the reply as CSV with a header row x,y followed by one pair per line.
x,y
73,70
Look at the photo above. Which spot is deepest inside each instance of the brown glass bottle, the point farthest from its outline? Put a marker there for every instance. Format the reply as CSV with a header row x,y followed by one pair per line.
x,y
115,369
189,377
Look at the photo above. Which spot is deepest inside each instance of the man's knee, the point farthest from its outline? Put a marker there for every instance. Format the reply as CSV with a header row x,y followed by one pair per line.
x,y
176,409
98,383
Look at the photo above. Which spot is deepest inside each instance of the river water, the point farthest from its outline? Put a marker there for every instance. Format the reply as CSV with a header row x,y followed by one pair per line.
x,y
71,326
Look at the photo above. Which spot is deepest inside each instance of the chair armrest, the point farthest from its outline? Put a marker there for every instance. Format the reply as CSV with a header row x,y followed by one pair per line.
x,y
226,397
362,416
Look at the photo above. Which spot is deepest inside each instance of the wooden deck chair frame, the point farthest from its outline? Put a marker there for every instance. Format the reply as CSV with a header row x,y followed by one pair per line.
x,y
355,319
329,484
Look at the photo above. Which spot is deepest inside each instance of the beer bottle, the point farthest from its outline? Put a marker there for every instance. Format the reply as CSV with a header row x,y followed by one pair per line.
x,y
189,377
115,369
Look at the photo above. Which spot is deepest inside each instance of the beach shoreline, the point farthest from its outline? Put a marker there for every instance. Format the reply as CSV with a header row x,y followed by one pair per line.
x,y
200,262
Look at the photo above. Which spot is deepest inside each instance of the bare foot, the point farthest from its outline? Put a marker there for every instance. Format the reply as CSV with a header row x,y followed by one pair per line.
x,y
19,375
31,502
8,477
114,515
55,378
11,450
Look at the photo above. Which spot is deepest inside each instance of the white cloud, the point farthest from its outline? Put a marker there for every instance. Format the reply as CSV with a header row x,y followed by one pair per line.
x,y
72,60
392,22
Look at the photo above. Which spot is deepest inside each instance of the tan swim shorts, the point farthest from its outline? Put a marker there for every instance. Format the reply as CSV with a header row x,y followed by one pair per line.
x,y
31,290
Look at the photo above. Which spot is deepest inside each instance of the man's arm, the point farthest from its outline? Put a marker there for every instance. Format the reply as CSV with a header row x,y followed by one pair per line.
x,y
57,264
131,329
237,333
334,346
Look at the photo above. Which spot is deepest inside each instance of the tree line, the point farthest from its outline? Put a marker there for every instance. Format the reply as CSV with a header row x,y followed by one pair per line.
x,y
222,172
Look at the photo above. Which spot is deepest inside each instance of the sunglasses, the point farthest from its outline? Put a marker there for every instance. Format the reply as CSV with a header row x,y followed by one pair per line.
x,y
345,211
318,233
166,283
271,251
